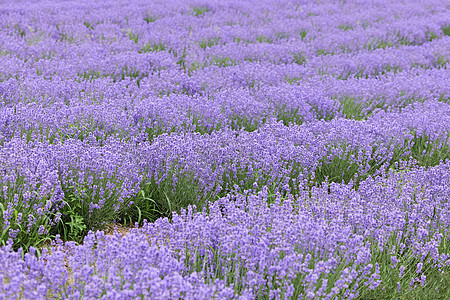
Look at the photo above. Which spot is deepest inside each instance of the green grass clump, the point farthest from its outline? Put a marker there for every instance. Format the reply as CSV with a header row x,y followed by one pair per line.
x,y
428,152
444,98
345,27
132,36
153,47
288,115
263,39
223,62
293,80
199,10
88,25
303,34
352,108
206,43
149,19
299,59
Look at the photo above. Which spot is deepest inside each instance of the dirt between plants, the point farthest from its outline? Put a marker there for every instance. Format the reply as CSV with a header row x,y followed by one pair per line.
x,y
111,228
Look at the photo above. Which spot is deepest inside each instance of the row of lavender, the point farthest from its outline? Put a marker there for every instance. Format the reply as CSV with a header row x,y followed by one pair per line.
x,y
177,169
133,111
60,108
335,243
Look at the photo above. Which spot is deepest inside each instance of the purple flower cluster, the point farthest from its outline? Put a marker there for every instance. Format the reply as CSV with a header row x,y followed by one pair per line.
x,y
278,149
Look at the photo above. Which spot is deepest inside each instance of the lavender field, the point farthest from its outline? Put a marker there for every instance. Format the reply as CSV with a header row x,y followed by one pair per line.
x,y
252,149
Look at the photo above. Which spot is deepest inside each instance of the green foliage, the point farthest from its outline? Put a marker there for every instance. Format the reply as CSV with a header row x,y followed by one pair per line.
x,y
71,226
343,167
293,80
149,19
428,152
444,98
378,44
339,169
19,31
322,52
362,109
238,122
195,66
30,227
281,36
196,124
177,190
85,209
351,108
155,131
133,37
130,72
88,25
239,40
303,34
181,59
206,43
345,27
298,281
65,37
441,61
393,285
263,39
223,62
299,59
153,47
323,114
126,72
431,36
288,115
171,194
90,75
361,72
81,130
198,10
143,208
389,68
446,30
392,281
78,129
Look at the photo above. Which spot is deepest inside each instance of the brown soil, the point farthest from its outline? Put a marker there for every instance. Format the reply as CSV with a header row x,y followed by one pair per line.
x,y
110,228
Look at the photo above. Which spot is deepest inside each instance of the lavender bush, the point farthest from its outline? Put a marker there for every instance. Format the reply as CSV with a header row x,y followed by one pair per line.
x,y
264,149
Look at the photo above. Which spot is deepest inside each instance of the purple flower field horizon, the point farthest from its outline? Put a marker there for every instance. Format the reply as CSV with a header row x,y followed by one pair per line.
x,y
259,149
